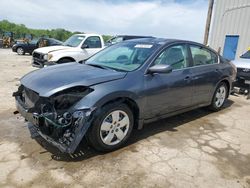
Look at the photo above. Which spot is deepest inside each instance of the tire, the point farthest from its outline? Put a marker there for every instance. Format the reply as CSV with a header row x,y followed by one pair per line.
x,y
20,51
219,97
65,60
112,127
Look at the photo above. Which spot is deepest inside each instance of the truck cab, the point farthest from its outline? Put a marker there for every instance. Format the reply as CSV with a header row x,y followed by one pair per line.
x,y
76,48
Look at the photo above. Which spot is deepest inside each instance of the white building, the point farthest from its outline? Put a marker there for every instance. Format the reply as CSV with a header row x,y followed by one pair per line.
x,y
230,27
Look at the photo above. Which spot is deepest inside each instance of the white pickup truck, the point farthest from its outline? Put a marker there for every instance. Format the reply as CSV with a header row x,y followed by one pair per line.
x,y
76,48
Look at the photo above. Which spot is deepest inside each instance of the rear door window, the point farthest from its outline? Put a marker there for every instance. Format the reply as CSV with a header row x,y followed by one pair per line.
x,y
203,56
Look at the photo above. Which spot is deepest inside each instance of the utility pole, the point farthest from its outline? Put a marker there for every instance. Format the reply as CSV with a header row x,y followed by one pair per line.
x,y
208,22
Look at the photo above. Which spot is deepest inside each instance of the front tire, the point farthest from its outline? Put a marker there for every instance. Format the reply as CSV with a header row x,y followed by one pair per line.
x,y
20,51
111,128
219,98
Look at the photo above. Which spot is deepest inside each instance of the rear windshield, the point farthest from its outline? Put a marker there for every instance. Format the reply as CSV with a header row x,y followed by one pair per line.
x,y
246,55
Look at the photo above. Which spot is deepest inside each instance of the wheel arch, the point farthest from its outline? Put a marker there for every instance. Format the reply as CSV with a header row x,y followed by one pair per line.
x,y
24,50
66,58
131,103
226,81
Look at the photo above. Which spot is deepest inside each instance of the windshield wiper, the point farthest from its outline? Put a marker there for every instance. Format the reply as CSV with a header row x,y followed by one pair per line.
x,y
106,67
98,66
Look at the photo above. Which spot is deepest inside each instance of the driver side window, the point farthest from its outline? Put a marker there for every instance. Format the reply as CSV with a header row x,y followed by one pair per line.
x,y
93,42
176,56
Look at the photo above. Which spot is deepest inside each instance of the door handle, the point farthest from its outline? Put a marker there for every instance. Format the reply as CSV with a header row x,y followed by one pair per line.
x,y
216,70
187,78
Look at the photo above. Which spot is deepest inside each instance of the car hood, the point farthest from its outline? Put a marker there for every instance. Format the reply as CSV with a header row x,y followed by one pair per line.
x,y
242,63
52,79
48,49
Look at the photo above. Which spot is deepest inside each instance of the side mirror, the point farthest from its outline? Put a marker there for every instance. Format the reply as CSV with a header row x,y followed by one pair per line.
x,y
84,46
160,68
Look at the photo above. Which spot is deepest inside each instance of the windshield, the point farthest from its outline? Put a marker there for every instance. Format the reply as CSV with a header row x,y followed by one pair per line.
x,y
123,56
116,40
246,55
74,41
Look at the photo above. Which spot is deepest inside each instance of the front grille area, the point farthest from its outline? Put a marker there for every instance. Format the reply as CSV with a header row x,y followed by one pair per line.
x,y
37,55
243,73
38,60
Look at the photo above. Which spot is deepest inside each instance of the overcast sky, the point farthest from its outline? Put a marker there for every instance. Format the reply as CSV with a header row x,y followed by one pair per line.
x,y
183,19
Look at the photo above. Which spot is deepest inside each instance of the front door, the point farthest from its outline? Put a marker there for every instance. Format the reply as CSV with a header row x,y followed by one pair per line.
x,y
92,45
169,92
230,46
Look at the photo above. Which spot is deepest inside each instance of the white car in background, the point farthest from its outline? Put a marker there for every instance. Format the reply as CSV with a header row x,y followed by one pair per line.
x,y
76,48
243,71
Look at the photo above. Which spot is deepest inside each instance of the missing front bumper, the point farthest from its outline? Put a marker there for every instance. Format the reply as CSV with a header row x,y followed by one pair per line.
x,y
71,137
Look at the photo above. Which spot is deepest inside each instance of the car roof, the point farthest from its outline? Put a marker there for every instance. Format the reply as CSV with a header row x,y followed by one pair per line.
x,y
164,41
154,40
87,34
146,36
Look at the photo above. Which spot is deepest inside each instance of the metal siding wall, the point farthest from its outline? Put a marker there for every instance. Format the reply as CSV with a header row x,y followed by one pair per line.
x,y
226,22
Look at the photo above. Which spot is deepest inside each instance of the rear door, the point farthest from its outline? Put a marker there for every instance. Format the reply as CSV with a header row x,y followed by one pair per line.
x,y
206,73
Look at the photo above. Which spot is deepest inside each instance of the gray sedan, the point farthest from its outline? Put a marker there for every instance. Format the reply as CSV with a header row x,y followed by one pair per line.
x,y
121,88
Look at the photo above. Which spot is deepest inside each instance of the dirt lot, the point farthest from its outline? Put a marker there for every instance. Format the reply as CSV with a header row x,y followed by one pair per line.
x,y
195,149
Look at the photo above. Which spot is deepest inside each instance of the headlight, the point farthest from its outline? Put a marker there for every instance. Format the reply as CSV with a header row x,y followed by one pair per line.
x,y
47,56
63,100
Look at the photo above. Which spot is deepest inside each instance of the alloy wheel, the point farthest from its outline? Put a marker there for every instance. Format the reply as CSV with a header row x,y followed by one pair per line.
x,y
20,51
220,96
114,127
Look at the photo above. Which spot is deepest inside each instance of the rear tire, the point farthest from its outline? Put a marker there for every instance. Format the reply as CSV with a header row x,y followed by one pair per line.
x,y
111,128
219,98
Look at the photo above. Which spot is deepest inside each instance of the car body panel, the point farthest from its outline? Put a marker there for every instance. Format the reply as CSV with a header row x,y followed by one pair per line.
x,y
50,80
242,63
48,49
161,88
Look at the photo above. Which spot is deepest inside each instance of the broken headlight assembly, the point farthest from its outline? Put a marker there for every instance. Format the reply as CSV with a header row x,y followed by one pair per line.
x,y
56,117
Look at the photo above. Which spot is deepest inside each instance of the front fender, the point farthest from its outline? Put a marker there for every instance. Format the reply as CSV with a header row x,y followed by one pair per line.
x,y
77,56
111,91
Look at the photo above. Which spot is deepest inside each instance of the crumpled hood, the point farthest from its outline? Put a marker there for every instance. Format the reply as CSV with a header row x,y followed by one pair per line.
x,y
45,50
242,63
50,80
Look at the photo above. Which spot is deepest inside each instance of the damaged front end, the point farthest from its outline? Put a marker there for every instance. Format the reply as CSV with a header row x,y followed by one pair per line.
x,y
54,117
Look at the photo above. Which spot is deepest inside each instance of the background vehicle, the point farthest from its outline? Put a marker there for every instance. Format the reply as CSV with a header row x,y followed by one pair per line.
x,y
28,47
120,38
7,39
243,71
120,88
76,48
25,38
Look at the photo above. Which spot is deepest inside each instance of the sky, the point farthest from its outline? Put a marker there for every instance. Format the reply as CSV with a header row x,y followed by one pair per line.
x,y
181,19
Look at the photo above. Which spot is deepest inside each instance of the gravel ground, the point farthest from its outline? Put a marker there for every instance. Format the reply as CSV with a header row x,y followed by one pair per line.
x,y
194,149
